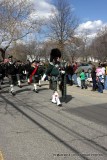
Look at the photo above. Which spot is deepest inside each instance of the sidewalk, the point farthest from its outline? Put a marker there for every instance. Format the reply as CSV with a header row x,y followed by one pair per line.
x,y
87,92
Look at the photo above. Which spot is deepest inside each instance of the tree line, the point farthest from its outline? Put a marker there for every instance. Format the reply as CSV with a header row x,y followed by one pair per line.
x,y
19,33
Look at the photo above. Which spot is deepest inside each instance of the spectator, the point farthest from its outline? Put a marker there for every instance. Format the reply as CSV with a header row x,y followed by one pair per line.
x,y
105,81
83,77
100,78
93,75
78,71
69,71
74,76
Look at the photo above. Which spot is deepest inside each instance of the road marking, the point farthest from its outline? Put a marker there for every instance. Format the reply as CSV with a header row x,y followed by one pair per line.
x,y
1,156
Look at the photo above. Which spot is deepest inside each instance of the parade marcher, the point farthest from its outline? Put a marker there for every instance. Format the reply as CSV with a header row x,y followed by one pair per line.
x,y
69,72
41,70
19,71
11,73
27,70
78,71
34,74
53,71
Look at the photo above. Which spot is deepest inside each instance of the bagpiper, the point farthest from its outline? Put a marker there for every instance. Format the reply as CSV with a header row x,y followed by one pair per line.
x,y
54,72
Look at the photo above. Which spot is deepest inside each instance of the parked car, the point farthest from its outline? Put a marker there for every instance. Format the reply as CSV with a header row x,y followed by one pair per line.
x,y
87,67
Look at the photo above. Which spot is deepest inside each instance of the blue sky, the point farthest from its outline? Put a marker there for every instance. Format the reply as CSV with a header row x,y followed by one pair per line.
x,y
91,14
90,9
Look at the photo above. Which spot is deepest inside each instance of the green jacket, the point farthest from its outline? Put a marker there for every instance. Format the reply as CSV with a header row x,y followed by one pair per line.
x,y
82,76
52,70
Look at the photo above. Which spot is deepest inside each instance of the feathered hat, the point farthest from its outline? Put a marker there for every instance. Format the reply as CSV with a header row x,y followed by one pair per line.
x,y
54,54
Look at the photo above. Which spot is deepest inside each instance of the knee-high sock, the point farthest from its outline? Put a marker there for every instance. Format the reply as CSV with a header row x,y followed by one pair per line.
x,y
35,86
19,83
39,82
57,98
11,88
53,98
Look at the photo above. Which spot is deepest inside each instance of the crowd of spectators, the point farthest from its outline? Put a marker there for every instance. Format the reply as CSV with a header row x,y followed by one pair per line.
x,y
85,75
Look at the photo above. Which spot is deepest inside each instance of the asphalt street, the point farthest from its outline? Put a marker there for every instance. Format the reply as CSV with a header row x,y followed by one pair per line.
x,y
32,128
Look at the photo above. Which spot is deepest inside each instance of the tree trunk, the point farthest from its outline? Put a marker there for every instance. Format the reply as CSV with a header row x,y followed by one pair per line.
x,y
2,51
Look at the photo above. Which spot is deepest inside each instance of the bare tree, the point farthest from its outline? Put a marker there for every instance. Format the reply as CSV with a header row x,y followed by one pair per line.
x,y
86,40
45,50
62,23
99,46
73,49
15,22
21,51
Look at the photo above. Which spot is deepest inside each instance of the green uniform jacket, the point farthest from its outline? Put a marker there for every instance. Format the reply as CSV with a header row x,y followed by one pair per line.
x,y
52,70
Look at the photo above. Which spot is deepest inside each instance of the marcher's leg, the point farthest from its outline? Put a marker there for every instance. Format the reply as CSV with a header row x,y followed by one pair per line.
x,y
39,83
11,85
34,84
18,80
35,88
53,98
57,99
28,80
12,89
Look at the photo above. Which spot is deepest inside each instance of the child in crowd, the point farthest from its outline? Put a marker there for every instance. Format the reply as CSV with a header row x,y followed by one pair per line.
x,y
83,78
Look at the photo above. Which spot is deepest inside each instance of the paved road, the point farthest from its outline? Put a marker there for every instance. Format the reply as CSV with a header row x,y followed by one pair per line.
x,y
32,128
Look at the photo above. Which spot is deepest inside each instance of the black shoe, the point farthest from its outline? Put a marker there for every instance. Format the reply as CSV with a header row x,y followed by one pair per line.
x,y
77,86
60,105
93,90
13,93
35,90
19,86
39,85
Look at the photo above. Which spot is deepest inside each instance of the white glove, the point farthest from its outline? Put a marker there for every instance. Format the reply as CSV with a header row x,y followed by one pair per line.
x,y
63,72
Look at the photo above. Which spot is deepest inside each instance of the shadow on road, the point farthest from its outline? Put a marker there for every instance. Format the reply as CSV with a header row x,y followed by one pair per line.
x,y
66,99
96,113
88,141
